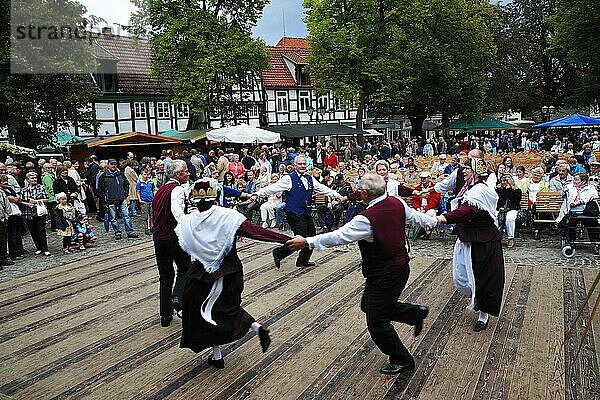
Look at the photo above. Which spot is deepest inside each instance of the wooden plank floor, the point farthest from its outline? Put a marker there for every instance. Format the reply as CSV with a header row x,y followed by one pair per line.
x,y
90,329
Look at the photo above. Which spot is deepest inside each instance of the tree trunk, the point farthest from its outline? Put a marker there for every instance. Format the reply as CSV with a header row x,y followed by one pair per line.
x,y
416,122
359,119
192,122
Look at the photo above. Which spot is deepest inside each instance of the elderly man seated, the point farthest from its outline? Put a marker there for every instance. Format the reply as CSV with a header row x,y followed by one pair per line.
x,y
560,182
438,167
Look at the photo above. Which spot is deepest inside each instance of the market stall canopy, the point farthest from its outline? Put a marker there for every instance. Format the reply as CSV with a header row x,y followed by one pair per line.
x,y
570,121
485,124
191,135
130,139
242,133
64,138
17,150
309,130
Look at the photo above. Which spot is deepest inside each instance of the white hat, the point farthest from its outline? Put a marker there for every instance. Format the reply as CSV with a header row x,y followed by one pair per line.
x,y
442,156
425,174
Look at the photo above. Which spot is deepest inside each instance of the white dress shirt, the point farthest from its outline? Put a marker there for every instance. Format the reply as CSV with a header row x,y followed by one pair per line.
x,y
392,187
178,199
285,183
359,227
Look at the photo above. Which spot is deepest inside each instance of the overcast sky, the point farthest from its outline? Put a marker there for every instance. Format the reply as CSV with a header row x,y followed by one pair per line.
x,y
270,27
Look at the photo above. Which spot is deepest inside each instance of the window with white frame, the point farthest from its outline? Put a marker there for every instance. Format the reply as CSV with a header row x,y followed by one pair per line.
x,y
162,110
282,101
139,110
324,102
304,100
253,111
183,111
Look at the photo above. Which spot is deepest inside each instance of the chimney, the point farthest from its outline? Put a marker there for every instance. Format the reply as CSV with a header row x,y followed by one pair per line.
x,y
107,30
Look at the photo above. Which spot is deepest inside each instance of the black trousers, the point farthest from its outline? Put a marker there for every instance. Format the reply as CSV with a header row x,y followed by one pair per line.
x,y
303,226
167,252
37,228
51,205
14,233
3,241
381,306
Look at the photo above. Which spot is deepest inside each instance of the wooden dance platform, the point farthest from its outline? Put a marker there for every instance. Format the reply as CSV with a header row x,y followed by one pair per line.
x,y
90,329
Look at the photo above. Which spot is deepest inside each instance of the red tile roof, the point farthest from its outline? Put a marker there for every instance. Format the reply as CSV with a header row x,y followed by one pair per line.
x,y
300,43
278,74
133,66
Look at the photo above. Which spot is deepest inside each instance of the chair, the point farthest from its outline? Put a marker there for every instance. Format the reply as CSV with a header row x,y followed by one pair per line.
x,y
546,210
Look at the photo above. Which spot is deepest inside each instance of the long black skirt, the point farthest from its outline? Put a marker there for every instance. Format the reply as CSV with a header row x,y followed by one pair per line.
x,y
488,270
232,320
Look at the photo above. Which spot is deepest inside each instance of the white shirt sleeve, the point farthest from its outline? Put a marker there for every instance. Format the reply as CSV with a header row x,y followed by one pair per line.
x,y
282,185
418,218
327,191
448,183
178,202
358,228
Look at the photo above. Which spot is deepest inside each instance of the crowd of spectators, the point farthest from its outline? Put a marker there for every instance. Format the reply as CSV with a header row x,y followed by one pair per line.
x,y
66,195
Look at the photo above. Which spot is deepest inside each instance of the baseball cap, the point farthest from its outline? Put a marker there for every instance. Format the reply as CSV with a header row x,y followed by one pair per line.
x,y
112,161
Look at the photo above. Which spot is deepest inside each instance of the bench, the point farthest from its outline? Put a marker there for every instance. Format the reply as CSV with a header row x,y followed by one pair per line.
x,y
547,204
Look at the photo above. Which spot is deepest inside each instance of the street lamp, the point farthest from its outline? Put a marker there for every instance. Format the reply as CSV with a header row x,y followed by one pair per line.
x,y
547,111
322,111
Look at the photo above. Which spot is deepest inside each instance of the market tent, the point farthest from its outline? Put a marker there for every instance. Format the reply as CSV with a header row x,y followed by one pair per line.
x,y
17,150
309,130
64,138
485,124
191,135
242,133
570,121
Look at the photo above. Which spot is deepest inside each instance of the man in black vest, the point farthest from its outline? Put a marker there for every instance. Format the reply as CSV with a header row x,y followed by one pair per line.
x,y
381,238
299,189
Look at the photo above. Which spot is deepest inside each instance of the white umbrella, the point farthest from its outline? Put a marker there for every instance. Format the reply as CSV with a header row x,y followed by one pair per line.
x,y
243,133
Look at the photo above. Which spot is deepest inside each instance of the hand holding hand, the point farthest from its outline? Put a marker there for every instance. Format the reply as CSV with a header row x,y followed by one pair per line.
x,y
297,243
441,219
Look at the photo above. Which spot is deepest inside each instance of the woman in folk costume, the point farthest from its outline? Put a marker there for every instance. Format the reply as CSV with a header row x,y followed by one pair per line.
x,y
478,265
212,311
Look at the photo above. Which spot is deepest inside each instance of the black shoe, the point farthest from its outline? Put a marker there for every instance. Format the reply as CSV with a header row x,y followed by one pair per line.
x,y
6,263
265,339
132,235
177,303
220,363
165,320
277,259
424,312
17,258
118,236
479,326
394,369
308,264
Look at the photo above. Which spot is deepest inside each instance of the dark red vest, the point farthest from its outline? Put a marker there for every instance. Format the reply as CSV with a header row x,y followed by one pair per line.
x,y
387,253
163,221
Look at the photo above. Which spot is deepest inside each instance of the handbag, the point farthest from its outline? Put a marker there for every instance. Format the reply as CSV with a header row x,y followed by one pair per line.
x,y
40,209
14,210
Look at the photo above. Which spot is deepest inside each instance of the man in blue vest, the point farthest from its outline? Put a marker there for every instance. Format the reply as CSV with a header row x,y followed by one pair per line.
x,y
299,188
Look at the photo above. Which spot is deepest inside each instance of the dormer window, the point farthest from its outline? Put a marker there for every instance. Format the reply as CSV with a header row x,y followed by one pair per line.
x,y
302,76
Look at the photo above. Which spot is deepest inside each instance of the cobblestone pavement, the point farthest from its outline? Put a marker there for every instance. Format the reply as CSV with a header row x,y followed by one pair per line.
x,y
545,252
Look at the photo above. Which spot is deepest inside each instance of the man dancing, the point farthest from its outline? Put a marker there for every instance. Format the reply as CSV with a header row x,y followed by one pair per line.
x,y
212,311
381,238
298,188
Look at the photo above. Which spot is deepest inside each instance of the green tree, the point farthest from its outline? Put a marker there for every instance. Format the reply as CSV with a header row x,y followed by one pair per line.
x,y
527,74
204,49
34,106
348,42
577,34
442,51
